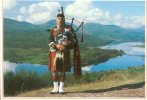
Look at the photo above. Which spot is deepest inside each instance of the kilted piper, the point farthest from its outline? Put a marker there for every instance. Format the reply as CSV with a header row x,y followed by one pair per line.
x,y
61,40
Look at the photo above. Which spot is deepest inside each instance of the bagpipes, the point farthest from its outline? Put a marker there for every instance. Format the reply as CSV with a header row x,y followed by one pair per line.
x,y
81,23
69,34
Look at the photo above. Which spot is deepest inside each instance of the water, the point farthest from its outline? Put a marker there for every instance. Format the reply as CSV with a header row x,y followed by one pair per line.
x,y
128,48
121,62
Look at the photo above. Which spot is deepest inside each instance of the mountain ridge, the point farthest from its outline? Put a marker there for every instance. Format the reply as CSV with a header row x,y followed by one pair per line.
x,y
53,22
94,33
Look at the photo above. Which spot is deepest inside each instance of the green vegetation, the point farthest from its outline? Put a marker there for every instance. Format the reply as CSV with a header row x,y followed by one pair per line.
x,y
25,81
139,55
94,34
33,48
22,80
142,46
25,42
89,56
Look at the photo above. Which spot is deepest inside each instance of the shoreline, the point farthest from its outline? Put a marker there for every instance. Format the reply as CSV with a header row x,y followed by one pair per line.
x,y
39,55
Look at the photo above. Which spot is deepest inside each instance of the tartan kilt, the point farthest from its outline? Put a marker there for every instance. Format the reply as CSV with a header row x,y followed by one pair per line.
x,y
67,63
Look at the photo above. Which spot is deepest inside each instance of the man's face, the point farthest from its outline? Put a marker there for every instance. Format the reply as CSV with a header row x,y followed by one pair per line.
x,y
60,21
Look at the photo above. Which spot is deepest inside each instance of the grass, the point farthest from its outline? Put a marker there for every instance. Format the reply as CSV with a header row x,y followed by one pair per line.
x,y
94,87
110,80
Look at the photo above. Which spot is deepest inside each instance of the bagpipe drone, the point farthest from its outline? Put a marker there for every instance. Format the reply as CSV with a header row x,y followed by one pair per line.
x,y
68,34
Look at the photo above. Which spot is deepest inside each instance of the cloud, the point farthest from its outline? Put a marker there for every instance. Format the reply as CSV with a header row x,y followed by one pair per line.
x,y
87,68
42,12
37,65
8,4
7,66
128,21
85,11
132,21
118,17
107,15
22,10
20,18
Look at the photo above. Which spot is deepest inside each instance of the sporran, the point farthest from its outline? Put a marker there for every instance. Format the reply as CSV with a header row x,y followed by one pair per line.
x,y
59,60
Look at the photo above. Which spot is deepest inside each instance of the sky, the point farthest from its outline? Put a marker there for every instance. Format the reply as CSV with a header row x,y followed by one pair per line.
x,y
126,14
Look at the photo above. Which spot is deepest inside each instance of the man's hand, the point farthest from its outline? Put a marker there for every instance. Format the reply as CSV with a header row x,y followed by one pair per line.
x,y
65,42
60,47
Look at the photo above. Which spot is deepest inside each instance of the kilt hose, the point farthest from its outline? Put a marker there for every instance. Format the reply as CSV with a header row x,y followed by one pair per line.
x,y
66,65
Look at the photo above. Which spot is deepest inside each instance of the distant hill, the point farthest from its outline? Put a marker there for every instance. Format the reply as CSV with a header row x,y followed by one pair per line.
x,y
94,34
13,26
114,33
95,29
140,29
